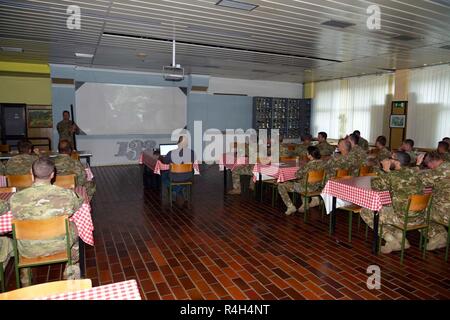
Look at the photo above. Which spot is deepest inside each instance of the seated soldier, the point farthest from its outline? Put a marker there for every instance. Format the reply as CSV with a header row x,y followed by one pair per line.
x,y
408,147
446,139
301,150
242,170
66,165
340,161
6,247
382,152
444,149
325,148
183,154
357,155
437,177
314,163
402,182
21,164
363,143
42,201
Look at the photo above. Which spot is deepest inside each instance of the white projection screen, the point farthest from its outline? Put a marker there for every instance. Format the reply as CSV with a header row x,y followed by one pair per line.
x,y
112,109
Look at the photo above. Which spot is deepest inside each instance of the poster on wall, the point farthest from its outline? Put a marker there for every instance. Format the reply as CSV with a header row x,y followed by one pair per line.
x,y
398,121
39,118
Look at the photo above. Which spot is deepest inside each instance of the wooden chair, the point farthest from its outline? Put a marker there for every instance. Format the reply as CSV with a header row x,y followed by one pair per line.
x,y
8,189
340,173
365,170
284,159
180,168
46,229
418,205
47,289
5,148
448,235
65,181
313,178
20,181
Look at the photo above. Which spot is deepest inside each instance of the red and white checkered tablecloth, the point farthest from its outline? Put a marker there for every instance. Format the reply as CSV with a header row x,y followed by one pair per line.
x,y
151,161
89,174
125,290
361,194
280,171
82,219
231,162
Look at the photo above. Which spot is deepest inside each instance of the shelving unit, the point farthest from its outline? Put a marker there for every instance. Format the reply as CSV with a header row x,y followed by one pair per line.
x,y
291,116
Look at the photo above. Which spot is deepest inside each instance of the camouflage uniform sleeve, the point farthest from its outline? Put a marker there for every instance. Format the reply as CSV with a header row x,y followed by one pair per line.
x,y
80,173
75,202
381,181
4,207
301,173
427,177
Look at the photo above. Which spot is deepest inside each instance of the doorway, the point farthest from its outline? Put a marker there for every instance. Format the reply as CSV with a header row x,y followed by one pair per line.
x,y
14,123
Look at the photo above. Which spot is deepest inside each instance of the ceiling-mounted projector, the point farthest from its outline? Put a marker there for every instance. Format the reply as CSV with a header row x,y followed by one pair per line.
x,y
174,72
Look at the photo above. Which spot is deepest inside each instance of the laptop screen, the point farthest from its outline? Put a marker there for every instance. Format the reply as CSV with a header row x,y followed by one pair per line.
x,y
164,149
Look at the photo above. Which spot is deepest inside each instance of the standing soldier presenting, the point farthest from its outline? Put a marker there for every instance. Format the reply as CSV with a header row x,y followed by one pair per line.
x,y
67,128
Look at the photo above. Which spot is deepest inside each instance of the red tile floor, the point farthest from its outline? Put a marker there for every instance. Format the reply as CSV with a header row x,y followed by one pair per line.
x,y
233,247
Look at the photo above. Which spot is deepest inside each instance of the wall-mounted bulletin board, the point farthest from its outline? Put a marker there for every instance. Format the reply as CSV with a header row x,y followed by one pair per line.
x,y
398,123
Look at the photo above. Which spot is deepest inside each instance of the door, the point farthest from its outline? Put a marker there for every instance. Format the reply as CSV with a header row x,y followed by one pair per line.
x,y
14,123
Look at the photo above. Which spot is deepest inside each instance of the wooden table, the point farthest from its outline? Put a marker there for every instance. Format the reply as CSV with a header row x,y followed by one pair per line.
x,y
358,190
83,155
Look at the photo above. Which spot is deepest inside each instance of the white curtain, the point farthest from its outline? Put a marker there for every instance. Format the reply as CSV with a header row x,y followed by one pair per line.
x,y
429,105
342,106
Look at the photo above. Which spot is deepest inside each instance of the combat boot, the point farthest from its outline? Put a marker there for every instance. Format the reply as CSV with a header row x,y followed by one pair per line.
x,y
234,191
290,210
392,244
314,202
437,242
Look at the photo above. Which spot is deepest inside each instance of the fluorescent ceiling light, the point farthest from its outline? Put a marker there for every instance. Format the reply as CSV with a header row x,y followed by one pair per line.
x,y
84,55
237,5
11,49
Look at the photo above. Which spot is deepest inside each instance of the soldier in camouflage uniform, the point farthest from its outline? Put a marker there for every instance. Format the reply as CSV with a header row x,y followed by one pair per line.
x,y
314,164
42,201
382,152
301,150
67,128
340,161
21,163
363,143
408,147
402,182
6,248
242,170
65,165
357,155
325,148
437,177
444,150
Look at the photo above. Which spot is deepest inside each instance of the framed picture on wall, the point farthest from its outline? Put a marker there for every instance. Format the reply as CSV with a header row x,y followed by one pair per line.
x,y
40,118
398,121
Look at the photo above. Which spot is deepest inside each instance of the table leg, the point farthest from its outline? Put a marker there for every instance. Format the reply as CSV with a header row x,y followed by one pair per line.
x,y
333,217
260,187
82,260
224,179
376,219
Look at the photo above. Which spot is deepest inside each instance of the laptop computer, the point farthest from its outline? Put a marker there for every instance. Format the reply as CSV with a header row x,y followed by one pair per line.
x,y
164,149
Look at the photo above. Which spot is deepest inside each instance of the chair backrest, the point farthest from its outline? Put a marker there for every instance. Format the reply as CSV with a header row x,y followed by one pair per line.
x,y
364,170
44,229
287,159
8,189
316,176
75,155
369,174
47,289
5,148
20,181
181,168
419,202
65,181
341,173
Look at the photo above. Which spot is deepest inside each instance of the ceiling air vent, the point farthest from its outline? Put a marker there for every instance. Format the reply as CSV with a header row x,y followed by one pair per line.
x,y
442,2
237,5
404,37
337,24
447,47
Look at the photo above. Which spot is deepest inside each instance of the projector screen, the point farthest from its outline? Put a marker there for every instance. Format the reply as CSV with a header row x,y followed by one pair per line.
x,y
106,109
